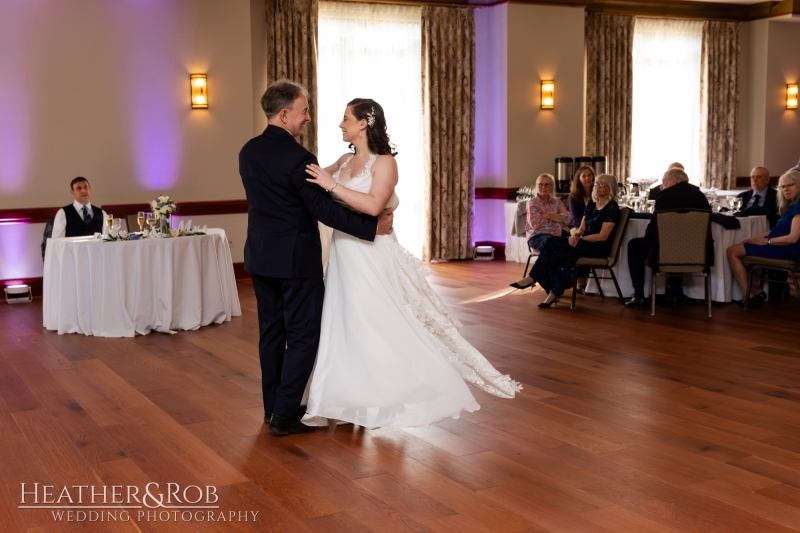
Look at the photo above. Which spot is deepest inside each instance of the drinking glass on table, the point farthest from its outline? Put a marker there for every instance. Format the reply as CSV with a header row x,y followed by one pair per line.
x,y
109,220
151,220
116,224
140,216
737,204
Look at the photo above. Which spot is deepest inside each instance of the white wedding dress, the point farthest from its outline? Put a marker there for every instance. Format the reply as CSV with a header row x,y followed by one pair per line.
x,y
390,354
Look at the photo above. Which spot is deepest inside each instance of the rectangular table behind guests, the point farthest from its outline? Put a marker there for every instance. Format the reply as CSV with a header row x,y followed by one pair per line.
x,y
723,287
120,289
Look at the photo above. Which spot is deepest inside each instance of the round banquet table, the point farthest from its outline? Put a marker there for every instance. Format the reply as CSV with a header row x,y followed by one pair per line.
x,y
723,286
124,288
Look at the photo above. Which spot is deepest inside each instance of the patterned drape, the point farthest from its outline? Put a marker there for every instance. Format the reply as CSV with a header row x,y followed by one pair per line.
x,y
609,90
292,51
719,94
448,103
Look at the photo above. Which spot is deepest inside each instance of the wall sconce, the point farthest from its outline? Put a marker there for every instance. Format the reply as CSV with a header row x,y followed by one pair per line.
x,y
548,92
791,96
199,83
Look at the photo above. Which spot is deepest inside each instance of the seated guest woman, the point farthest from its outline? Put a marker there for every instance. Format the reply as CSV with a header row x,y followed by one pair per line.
x,y
579,194
593,239
546,214
782,242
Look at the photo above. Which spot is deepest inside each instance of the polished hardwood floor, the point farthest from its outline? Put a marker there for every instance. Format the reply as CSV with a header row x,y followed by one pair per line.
x,y
627,423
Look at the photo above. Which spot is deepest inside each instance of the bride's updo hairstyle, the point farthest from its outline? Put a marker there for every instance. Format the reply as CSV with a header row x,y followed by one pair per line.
x,y
377,138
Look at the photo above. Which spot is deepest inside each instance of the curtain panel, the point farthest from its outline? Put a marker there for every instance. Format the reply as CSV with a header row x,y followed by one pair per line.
x,y
719,94
448,96
609,90
292,51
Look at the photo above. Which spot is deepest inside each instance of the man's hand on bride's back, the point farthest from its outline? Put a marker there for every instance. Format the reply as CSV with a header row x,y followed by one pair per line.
x,y
385,221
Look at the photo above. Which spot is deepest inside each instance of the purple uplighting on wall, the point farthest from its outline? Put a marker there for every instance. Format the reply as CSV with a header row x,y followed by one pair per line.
x,y
153,86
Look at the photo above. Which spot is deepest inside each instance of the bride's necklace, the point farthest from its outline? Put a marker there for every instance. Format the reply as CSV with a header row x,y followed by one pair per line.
x,y
351,164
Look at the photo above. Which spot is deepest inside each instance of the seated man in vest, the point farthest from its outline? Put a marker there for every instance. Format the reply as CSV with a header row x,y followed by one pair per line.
x,y
676,193
80,218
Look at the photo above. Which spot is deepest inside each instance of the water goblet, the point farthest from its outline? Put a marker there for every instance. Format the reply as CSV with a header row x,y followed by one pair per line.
x,y
140,216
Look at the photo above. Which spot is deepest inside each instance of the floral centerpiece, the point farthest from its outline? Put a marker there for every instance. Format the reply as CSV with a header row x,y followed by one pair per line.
x,y
163,207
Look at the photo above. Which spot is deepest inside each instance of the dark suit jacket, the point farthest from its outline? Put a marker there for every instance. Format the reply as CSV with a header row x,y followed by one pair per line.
x,y
770,207
283,209
682,195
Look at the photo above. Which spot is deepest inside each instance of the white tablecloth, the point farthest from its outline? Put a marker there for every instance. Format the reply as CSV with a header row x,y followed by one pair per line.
x,y
119,289
723,286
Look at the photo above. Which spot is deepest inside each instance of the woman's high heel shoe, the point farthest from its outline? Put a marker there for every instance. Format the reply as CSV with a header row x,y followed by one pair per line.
x,y
546,305
523,283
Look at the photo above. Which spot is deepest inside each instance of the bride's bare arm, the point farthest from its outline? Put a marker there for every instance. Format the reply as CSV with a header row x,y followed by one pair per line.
x,y
384,180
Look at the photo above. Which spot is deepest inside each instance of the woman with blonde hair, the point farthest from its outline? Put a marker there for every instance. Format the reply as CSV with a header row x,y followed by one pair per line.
x,y
592,239
546,215
782,242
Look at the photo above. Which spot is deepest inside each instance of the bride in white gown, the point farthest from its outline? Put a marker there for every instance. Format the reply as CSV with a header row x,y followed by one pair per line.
x,y
390,354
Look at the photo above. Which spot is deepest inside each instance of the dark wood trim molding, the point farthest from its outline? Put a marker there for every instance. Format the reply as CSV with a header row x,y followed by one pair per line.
x,y
744,181
216,207
37,284
29,215
496,193
683,9
40,215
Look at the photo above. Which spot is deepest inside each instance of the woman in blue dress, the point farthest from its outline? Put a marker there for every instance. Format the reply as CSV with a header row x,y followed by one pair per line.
x,y
593,239
782,242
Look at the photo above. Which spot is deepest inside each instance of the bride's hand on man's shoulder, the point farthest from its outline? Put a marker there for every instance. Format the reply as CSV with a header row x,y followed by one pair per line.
x,y
320,176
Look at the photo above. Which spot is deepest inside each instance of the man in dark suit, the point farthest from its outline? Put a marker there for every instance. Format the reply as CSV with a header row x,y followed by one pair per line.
x,y
676,193
761,199
283,251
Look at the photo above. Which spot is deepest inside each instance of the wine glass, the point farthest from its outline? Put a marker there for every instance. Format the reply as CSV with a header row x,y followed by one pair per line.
x,y
116,224
109,220
151,220
737,204
140,216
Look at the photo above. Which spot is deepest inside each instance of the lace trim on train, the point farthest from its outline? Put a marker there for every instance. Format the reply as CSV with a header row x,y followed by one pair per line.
x,y
442,326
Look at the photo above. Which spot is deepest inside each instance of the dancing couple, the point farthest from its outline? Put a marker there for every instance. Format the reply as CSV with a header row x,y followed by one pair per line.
x,y
383,348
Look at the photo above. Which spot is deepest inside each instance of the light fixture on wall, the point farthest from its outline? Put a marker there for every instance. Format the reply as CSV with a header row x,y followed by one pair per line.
x,y
199,83
791,96
548,94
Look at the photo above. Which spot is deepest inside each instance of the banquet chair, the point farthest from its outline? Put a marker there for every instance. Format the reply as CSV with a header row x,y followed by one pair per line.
x,y
532,252
766,264
603,263
46,234
682,247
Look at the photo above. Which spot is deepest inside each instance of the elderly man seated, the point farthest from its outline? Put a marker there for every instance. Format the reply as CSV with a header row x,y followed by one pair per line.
x,y
80,218
676,193
761,199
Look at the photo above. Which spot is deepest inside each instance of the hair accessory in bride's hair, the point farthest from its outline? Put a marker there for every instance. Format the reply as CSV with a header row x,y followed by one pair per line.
x,y
371,117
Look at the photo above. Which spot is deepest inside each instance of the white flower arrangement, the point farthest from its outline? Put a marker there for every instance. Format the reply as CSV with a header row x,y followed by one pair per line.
x,y
163,206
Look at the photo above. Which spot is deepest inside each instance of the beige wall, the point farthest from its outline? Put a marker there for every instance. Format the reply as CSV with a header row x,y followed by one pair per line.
x,y
544,42
781,126
101,89
768,132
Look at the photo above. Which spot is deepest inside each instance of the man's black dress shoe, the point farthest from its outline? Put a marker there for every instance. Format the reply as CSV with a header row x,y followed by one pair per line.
x,y
285,426
669,300
635,303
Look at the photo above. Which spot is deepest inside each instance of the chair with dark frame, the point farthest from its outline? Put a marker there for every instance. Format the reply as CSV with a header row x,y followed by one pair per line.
x,y
766,264
682,246
603,263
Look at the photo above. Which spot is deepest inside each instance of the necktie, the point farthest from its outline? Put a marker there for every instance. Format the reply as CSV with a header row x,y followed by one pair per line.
x,y
756,199
85,213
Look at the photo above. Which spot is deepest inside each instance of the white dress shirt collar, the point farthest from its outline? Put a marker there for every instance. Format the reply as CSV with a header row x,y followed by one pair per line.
x,y
79,208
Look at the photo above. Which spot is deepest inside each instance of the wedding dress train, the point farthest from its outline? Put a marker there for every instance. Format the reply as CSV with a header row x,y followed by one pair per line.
x,y
390,353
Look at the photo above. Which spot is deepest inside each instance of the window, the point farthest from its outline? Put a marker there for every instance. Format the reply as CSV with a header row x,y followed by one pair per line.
x,y
373,51
666,97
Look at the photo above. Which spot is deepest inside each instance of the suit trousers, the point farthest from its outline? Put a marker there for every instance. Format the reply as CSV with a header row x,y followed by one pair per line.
x,y
289,319
641,250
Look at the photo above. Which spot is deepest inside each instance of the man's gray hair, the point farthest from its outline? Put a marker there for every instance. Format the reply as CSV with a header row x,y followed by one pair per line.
x,y
677,174
281,95
762,171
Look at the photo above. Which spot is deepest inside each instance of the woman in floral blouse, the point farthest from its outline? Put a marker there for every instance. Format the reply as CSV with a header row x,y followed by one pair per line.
x,y
547,217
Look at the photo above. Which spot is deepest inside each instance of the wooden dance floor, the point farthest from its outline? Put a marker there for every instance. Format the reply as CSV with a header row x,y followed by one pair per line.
x,y
627,423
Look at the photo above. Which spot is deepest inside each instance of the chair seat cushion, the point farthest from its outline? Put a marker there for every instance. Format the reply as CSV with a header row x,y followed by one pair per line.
x,y
753,260
592,261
